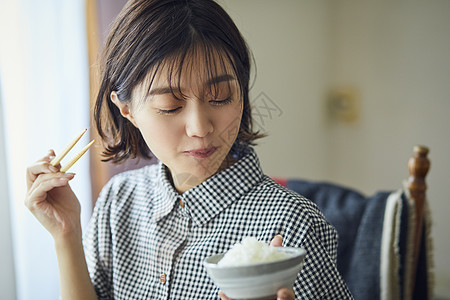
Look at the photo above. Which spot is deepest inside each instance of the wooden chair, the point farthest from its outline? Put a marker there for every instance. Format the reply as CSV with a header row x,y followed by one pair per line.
x,y
418,166
384,239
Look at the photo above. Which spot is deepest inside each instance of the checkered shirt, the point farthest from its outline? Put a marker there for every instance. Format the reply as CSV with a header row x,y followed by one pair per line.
x,y
143,243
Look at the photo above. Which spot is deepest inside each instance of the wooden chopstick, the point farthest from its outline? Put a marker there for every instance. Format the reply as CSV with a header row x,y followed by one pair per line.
x,y
59,157
77,157
66,150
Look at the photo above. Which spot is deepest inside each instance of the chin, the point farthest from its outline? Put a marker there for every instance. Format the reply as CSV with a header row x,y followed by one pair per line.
x,y
204,172
195,174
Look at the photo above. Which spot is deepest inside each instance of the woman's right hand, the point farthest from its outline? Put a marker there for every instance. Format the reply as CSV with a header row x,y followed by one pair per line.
x,y
51,200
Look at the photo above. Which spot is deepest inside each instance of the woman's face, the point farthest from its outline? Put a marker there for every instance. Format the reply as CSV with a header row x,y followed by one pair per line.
x,y
191,136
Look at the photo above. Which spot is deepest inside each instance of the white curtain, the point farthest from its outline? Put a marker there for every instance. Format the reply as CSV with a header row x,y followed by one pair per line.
x,y
44,73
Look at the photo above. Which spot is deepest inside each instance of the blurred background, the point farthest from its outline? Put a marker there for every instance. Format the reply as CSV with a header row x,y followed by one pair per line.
x,y
343,88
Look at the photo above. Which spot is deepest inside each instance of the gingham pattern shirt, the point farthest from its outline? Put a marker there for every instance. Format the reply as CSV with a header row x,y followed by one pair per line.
x,y
143,243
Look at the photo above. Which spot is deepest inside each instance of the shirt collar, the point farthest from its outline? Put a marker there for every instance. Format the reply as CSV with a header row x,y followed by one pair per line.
x,y
205,201
165,194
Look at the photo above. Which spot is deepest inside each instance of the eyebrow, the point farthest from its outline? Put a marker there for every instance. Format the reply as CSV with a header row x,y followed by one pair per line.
x,y
214,80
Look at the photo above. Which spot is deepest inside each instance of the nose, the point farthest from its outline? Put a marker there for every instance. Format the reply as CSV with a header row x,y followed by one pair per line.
x,y
199,123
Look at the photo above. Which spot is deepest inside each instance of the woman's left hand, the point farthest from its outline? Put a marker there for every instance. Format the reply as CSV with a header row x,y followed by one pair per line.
x,y
283,293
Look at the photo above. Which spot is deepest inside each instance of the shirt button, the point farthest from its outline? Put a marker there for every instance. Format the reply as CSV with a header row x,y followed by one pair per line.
x,y
181,203
163,278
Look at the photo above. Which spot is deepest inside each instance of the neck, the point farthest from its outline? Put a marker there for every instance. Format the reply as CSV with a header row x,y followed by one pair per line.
x,y
184,181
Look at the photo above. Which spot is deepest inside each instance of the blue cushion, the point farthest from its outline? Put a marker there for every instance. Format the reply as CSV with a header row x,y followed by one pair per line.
x,y
359,222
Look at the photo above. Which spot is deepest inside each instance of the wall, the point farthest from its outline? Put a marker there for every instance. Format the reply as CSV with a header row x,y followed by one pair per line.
x,y
290,41
395,54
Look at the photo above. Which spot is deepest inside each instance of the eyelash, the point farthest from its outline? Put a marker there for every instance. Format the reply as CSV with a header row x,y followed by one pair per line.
x,y
213,102
221,102
168,112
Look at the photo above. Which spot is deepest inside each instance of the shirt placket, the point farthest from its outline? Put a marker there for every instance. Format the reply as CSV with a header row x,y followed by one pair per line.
x,y
175,229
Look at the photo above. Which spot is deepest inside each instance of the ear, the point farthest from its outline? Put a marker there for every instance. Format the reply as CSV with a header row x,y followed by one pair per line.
x,y
124,108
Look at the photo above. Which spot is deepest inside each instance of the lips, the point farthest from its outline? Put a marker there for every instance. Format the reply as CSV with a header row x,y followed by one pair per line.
x,y
201,153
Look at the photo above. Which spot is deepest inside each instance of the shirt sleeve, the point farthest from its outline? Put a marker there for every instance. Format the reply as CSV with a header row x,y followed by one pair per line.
x,y
98,245
319,277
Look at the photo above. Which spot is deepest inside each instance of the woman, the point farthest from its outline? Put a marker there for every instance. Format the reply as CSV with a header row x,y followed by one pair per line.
x,y
175,82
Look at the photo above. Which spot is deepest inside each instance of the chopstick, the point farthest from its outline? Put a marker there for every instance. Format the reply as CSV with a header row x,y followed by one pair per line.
x,y
66,150
77,157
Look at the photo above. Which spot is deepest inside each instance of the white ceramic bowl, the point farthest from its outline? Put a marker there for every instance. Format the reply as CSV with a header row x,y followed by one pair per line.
x,y
256,281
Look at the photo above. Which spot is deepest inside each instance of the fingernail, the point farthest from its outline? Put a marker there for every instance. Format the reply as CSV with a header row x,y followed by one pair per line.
x,y
67,176
52,168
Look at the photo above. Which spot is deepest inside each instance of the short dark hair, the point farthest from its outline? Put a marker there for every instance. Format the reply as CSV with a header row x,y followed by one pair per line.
x,y
149,34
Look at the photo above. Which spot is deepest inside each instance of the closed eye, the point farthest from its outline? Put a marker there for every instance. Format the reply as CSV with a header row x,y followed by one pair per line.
x,y
221,102
168,111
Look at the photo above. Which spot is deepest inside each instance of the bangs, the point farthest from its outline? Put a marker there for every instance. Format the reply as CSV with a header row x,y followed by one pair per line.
x,y
209,64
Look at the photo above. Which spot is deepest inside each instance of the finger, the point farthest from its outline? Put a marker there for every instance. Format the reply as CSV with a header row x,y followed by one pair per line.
x,y
223,296
37,169
50,157
50,154
285,294
41,166
277,241
44,184
46,177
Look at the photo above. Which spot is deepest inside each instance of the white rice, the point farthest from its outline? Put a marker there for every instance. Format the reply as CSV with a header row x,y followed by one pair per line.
x,y
251,251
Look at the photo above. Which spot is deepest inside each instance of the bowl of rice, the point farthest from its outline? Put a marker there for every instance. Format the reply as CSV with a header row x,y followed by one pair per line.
x,y
254,270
